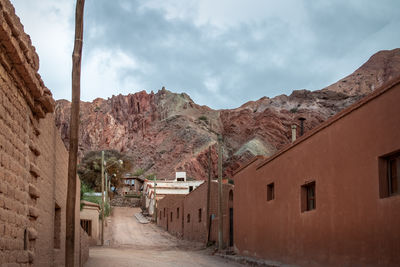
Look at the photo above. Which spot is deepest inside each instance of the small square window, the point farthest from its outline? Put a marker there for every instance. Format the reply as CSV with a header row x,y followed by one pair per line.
x,y
270,192
188,218
389,175
308,197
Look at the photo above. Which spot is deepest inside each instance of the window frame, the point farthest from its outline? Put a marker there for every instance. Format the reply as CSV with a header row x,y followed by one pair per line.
x,y
308,194
386,178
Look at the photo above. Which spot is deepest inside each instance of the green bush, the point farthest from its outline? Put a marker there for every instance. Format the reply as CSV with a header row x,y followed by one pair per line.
x,y
203,118
138,172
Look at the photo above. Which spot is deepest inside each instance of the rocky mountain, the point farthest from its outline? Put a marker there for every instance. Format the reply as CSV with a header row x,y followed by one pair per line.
x,y
165,132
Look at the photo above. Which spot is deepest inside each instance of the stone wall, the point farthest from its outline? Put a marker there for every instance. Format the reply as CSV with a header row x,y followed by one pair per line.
x,y
121,201
33,159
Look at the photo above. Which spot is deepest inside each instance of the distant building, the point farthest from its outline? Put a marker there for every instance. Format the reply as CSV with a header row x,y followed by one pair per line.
x,y
332,198
166,187
131,184
185,216
89,216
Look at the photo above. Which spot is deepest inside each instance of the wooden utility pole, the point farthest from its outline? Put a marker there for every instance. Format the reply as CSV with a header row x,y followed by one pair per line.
x,y
208,221
73,136
220,215
155,201
102,197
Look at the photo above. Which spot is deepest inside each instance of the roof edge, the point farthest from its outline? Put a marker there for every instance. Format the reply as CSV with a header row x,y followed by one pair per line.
x,y
381,90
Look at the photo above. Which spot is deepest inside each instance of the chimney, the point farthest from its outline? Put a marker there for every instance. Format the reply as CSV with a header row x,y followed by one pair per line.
x,y
293,133
301,119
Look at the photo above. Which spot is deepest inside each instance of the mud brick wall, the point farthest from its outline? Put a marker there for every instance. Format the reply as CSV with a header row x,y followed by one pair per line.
x,y
196,230
175,226
33,159
165,207
84,247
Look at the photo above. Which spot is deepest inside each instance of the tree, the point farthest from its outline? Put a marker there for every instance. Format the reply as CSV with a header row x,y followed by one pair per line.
x,y
89,170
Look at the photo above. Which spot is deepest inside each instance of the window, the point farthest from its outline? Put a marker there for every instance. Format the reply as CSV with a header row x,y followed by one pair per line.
x,y
26,238
270,192
188,218
199,215
308,197
160,214
190,188
171,217
87,226
164,212
57,226
389,175
177,213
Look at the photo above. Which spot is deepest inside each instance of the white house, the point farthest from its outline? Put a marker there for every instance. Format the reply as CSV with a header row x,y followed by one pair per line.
x,y
179,186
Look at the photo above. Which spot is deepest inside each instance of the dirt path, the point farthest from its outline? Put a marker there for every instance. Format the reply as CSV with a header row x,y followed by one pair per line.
x,y
129,243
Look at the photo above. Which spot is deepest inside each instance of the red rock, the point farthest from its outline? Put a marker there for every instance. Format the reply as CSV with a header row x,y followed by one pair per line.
x,y
165,132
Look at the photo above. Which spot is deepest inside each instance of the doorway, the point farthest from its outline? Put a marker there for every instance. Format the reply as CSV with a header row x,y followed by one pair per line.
x,y
231,218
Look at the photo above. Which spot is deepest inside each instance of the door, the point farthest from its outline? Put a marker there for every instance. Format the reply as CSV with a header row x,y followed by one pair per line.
x,y
231,227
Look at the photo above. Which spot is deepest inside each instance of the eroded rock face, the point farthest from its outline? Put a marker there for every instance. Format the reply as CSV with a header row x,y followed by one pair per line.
x,y
166,132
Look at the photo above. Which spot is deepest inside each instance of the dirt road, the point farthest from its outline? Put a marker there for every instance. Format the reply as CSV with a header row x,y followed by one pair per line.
x,y
129,243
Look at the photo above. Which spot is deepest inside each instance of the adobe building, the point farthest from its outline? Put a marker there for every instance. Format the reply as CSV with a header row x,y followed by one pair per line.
x,y
90,222
33,159
195,207
185,216
170,214
332,198
179,186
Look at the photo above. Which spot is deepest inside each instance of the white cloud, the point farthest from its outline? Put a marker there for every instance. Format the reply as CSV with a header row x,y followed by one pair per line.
x,y
49,25
103,73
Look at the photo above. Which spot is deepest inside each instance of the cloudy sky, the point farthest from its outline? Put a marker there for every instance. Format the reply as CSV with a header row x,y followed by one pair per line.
x,y
221,52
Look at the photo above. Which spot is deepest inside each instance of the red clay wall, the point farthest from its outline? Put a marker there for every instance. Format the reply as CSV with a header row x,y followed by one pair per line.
x,y
351,224
195,230
169,204
33,159
197,199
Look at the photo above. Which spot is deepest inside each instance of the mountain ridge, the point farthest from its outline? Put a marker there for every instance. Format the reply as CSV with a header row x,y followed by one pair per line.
x,y
166,132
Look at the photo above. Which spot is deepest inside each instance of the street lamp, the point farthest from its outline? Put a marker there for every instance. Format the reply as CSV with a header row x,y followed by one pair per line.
x,y
104,170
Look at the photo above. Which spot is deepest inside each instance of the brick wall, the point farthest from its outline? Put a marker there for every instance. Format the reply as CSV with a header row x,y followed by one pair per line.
x,y
33,159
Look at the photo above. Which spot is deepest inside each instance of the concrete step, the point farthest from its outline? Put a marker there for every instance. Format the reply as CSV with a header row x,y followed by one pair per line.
x,y
141,218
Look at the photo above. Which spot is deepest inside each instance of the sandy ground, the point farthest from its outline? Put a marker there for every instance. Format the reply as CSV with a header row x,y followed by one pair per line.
x,y
129,243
